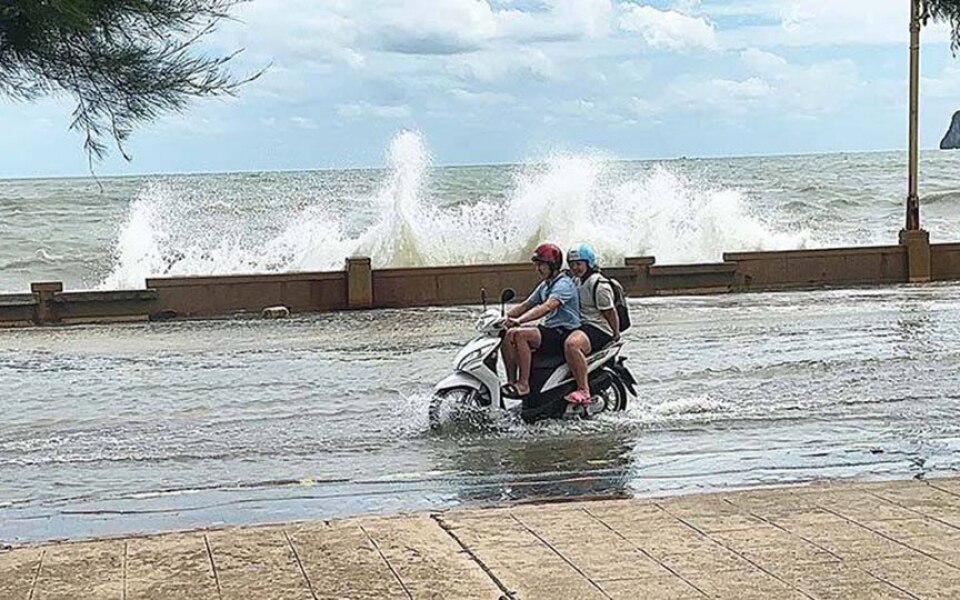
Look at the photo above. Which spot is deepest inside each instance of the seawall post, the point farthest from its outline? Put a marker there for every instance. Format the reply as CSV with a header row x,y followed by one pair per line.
x,y
45,311
917,242
359,283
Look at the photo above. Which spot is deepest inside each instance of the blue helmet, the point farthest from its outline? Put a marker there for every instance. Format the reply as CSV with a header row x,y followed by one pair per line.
x,y
583,252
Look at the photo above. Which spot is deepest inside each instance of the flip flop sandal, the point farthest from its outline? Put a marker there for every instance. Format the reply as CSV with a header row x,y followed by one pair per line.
x,y
577,397
510,391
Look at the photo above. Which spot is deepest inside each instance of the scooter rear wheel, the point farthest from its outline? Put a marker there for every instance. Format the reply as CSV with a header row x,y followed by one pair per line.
x,y
454,405
614,397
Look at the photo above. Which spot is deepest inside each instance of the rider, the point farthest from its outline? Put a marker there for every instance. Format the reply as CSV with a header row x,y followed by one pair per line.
x,y
600,323
556,299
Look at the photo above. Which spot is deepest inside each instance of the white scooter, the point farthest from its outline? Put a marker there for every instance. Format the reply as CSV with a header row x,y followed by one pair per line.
x,y
476,383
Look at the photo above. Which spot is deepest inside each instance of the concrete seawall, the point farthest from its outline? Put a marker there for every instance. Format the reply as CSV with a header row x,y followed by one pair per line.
x,y
359,286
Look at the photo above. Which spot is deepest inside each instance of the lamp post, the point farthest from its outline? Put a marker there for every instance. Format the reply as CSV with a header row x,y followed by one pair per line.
x,y
915,240
913,196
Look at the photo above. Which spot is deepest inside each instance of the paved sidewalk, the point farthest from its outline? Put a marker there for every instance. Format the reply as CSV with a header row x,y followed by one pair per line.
x,y
844,541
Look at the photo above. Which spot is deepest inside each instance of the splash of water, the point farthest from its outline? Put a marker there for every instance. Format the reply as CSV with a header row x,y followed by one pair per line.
x,y
564,199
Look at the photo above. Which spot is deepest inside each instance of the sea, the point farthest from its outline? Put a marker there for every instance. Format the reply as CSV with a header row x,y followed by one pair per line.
x,y
114,429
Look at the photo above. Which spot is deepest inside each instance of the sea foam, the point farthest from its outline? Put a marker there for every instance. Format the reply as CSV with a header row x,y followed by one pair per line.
x,y
173,230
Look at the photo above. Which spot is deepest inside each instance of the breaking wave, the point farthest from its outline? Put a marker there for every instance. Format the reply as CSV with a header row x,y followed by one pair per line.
x,y
173,229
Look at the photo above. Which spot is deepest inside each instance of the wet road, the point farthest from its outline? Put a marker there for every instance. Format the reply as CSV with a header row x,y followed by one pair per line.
x,y
125,428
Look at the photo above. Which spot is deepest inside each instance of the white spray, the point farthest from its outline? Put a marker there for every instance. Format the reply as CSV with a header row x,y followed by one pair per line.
x,y
564,199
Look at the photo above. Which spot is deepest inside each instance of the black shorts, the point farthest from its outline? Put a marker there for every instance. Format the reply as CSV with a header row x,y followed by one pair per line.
x,y
598,338
552,339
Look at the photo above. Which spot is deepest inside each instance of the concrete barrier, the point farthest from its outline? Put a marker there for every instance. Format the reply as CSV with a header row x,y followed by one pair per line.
x,y
91,307
237,294
359,286
945,262
794,269
713,278
18,309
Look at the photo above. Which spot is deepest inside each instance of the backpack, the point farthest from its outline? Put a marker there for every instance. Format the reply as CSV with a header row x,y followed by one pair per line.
x,y
619,300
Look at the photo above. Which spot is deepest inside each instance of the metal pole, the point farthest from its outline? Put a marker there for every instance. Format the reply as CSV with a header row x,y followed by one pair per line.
x,y
913,197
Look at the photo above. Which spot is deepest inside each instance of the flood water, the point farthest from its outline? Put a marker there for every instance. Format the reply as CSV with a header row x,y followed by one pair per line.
x,y
146,427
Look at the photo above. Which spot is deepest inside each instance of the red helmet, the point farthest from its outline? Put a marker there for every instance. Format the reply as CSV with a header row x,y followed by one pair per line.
x,y
550,254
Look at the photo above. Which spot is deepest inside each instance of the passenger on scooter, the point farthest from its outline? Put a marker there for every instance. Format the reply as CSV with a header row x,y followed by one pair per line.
x,y
555,300
600,323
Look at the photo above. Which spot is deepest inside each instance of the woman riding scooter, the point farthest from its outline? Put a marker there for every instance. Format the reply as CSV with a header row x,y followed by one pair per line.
x,y
600,324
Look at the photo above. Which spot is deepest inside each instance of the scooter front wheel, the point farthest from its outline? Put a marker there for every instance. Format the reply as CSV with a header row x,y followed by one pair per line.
x,y
455,405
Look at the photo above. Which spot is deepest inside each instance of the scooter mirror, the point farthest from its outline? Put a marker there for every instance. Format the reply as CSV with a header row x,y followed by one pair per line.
x,y
507,295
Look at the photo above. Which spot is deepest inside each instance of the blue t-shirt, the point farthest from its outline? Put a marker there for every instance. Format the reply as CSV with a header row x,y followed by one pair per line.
x,y
563,288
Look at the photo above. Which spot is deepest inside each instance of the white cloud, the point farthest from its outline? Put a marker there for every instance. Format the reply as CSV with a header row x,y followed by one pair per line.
x,y
945,86
772,85
304,123
668,29
820,22
362,110
560,20
430,27
482,98
497,65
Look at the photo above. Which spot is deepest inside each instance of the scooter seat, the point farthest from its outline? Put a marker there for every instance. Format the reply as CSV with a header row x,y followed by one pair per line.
x,y
548,362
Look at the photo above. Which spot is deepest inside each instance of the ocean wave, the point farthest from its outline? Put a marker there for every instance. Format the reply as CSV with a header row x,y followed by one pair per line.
x,y
565,199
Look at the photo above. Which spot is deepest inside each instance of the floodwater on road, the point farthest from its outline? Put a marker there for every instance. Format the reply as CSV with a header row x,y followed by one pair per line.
x,y
144,427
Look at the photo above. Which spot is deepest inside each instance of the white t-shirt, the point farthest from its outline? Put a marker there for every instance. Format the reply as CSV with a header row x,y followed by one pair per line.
x,y
590,312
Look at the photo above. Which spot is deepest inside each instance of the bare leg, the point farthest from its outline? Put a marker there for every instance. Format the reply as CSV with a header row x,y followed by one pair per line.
x,y
508,349
575,350
528,341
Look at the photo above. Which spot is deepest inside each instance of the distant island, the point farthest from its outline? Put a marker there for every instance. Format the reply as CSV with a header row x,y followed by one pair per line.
x,y
951,141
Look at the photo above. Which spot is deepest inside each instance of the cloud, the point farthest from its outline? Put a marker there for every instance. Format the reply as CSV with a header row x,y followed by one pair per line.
x,y
482,98
808,23
668,29
363,110
430,27
770,85
509,63
304,123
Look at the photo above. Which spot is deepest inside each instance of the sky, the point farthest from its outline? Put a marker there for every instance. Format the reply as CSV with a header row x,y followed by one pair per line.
x,y
495,81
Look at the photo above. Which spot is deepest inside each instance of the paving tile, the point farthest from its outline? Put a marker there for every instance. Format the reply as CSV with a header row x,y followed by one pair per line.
x,y
658,536
665,587
743,584
91,570
862,506
946,548
523,563
592,546
343,563
18,568
711,559
772,506
170,567
430,563
807,518
923,577
849,541
836,581
717,524
769,546
700,506
257,562
905,529
916,496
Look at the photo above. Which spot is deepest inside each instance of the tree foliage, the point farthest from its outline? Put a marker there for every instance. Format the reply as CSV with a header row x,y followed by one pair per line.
x,y
947,11
124,62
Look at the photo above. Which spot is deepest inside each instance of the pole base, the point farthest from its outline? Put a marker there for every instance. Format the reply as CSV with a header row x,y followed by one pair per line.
x,y
919,265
